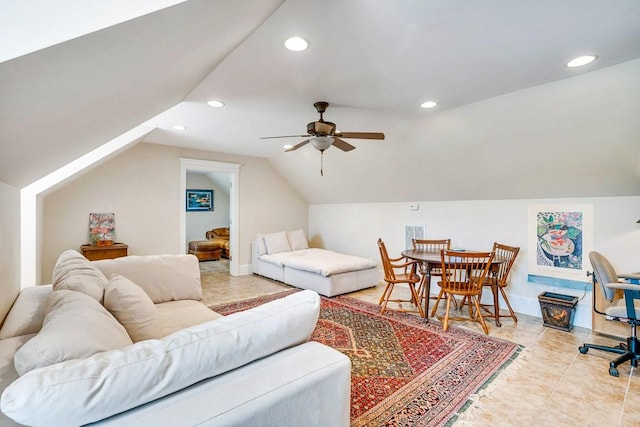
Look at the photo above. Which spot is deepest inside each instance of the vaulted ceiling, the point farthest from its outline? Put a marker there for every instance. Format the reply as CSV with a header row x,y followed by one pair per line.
x,y
509,112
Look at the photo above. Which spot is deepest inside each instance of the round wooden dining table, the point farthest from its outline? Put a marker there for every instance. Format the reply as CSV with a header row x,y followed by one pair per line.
x,y
431,260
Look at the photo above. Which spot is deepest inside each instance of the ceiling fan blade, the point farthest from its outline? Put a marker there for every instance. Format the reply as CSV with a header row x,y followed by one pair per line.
x,y
343,145
361,135
285,136
295,147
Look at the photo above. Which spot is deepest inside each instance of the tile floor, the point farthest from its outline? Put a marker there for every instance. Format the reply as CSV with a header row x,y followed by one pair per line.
x,y
551,383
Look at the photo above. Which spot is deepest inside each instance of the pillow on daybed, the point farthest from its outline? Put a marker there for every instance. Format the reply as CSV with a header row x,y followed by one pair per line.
x,y
276,242
298,240
76,273
133,308
261,249
112,382
75,326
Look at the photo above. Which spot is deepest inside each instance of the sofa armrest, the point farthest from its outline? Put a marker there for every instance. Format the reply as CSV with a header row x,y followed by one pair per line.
x,y
27,312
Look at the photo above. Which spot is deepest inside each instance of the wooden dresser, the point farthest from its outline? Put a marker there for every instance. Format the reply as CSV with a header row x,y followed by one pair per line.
x,y
94,253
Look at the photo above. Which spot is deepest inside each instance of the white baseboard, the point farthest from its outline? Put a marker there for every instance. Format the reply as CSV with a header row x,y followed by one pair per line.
x,y
244,270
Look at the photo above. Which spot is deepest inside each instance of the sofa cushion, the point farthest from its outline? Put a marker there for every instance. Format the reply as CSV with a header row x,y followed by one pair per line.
x,y
176,315
111,382
27,312
133,308
277,242
163,277
76,273
297,240
75,326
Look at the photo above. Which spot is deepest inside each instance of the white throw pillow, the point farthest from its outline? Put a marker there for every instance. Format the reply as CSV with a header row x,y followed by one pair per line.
x,y
75,326
78,392
76,273
298,240
133,308
163,277
277,242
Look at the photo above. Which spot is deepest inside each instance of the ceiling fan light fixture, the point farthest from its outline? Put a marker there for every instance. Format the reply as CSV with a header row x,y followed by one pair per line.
x,y
581,60
322,142
296,44
428,104
215,103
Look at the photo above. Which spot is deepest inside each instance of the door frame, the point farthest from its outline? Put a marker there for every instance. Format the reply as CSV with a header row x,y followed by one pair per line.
x,y
233,169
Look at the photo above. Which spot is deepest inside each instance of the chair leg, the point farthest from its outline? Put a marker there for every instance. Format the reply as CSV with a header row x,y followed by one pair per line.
x,y
385,297
511,312
435,306
476,302
384,294
416,299
445,325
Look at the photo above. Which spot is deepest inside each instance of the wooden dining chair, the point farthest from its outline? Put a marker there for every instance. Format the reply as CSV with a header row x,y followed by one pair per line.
x,y
463,274
501,280
430,245
395,272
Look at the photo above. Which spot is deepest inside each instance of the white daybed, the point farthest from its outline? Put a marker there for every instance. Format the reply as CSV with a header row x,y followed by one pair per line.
x,y
286,257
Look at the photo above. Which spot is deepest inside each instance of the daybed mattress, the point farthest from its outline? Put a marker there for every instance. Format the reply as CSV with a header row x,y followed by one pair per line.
x,y
326,272
319,261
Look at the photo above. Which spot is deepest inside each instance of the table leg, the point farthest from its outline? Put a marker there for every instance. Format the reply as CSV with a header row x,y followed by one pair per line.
x,y
426,291
496,301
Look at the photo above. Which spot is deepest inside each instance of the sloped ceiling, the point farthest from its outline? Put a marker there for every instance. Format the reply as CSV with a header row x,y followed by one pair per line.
x,y
65,100
509,114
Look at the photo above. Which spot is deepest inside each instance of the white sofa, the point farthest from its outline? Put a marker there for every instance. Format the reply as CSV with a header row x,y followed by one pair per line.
x,y
139,348
286,257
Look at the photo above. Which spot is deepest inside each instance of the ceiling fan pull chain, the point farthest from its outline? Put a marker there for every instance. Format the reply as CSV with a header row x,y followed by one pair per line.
x,y
321,162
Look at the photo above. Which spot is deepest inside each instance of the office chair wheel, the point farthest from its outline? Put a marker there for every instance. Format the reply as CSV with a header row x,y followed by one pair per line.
x,y
583,349
613,372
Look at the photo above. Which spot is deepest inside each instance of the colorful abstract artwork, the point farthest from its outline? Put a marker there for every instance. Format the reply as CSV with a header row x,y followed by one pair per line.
x,y
102,228
560,238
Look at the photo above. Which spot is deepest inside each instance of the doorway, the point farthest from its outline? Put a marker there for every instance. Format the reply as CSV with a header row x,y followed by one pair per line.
x,y
206,166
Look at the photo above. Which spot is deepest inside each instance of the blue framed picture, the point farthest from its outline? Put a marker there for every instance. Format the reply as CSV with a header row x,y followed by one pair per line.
x,y
199,200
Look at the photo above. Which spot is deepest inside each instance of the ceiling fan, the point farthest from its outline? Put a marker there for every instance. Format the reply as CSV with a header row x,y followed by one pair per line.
x,y
324,135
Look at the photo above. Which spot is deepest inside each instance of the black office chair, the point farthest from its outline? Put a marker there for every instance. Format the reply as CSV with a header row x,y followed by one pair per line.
x,y
625,310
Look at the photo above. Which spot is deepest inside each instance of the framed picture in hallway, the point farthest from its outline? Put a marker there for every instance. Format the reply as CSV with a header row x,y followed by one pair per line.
x,y
199,200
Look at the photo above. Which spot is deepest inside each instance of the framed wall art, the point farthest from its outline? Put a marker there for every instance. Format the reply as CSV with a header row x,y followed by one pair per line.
x,y
560,239
102,229
199,200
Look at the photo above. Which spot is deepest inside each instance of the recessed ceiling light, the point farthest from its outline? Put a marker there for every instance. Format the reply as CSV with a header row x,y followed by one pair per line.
x,y
179,127
428,104
215,103
581,60
286,147
296,44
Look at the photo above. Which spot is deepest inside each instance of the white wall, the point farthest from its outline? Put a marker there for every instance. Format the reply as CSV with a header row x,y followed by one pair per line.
x,y
355,228
198,223
9,247
141,186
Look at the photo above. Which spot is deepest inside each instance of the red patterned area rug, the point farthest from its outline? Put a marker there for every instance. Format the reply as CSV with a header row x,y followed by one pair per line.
x,y
405,372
